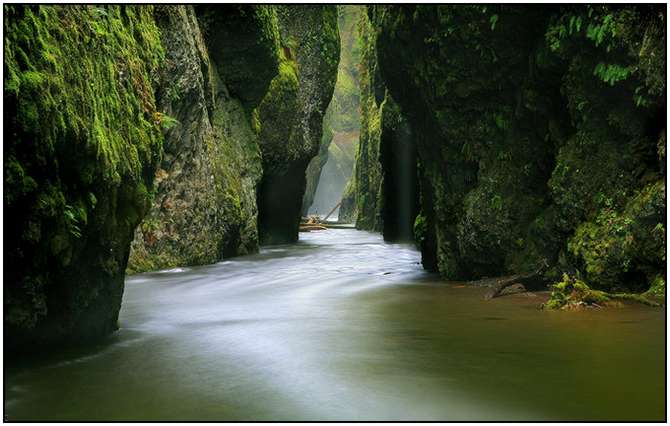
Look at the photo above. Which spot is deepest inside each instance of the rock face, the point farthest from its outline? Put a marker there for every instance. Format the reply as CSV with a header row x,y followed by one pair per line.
x,y
540,137
383,193
291,115
82,143
329,172
219,62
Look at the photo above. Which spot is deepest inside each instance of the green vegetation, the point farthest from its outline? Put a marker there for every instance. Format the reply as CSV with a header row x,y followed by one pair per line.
x,y
280,105
205,207
80,150
572,293
540,136
367,177
620,241
56,95
291,115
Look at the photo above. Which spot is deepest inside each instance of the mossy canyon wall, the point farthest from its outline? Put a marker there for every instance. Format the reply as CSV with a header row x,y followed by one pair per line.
x,y
502,139
291,115
205,208
82,144
540,135
115,114
382,194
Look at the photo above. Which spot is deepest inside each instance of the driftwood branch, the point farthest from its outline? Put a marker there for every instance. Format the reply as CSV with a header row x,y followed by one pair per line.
x,y
529,281
332,211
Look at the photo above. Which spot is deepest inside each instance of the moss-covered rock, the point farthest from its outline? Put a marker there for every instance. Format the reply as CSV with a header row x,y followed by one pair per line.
x,y
479,126
244,43
368,173
205,204
367,178
539,131
82,143
291,115
347,211
624,248
572,293
384,184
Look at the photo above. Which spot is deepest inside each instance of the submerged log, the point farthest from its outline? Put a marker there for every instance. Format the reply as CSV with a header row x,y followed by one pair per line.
x,y
533,280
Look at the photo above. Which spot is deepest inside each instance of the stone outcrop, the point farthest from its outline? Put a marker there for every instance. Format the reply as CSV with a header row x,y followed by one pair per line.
x,y
383,193
540,135
83,140
291,115
219,61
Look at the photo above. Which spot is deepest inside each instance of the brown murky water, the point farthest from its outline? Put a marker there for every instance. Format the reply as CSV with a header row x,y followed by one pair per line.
x,y
343,326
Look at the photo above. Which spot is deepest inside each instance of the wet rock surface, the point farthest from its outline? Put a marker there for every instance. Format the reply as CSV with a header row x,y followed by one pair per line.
x,y
205,203
538,137
81,145
291,115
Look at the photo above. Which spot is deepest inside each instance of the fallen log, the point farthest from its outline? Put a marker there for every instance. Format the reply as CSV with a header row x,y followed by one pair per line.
x,y
332,211
310,227
339,225
635,298
533,280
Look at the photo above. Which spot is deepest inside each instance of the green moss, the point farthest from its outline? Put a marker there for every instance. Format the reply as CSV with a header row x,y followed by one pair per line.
x,y
276,115
255,121
97,98
571,293
300,46
420,229
536,132
368,172
287,77
80,150
623,244
266,16
657,288
245,40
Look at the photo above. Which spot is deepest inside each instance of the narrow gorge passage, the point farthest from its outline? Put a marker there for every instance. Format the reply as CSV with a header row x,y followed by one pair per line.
x,y
295,212
343,326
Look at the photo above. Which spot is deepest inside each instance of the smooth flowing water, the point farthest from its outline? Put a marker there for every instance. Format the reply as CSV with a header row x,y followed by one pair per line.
x,y
343,326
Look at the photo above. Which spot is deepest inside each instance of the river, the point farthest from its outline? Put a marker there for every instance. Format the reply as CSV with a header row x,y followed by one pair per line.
x,y
342,326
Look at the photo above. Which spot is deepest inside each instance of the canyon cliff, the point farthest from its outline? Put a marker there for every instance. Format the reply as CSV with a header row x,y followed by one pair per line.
x,y
540,137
